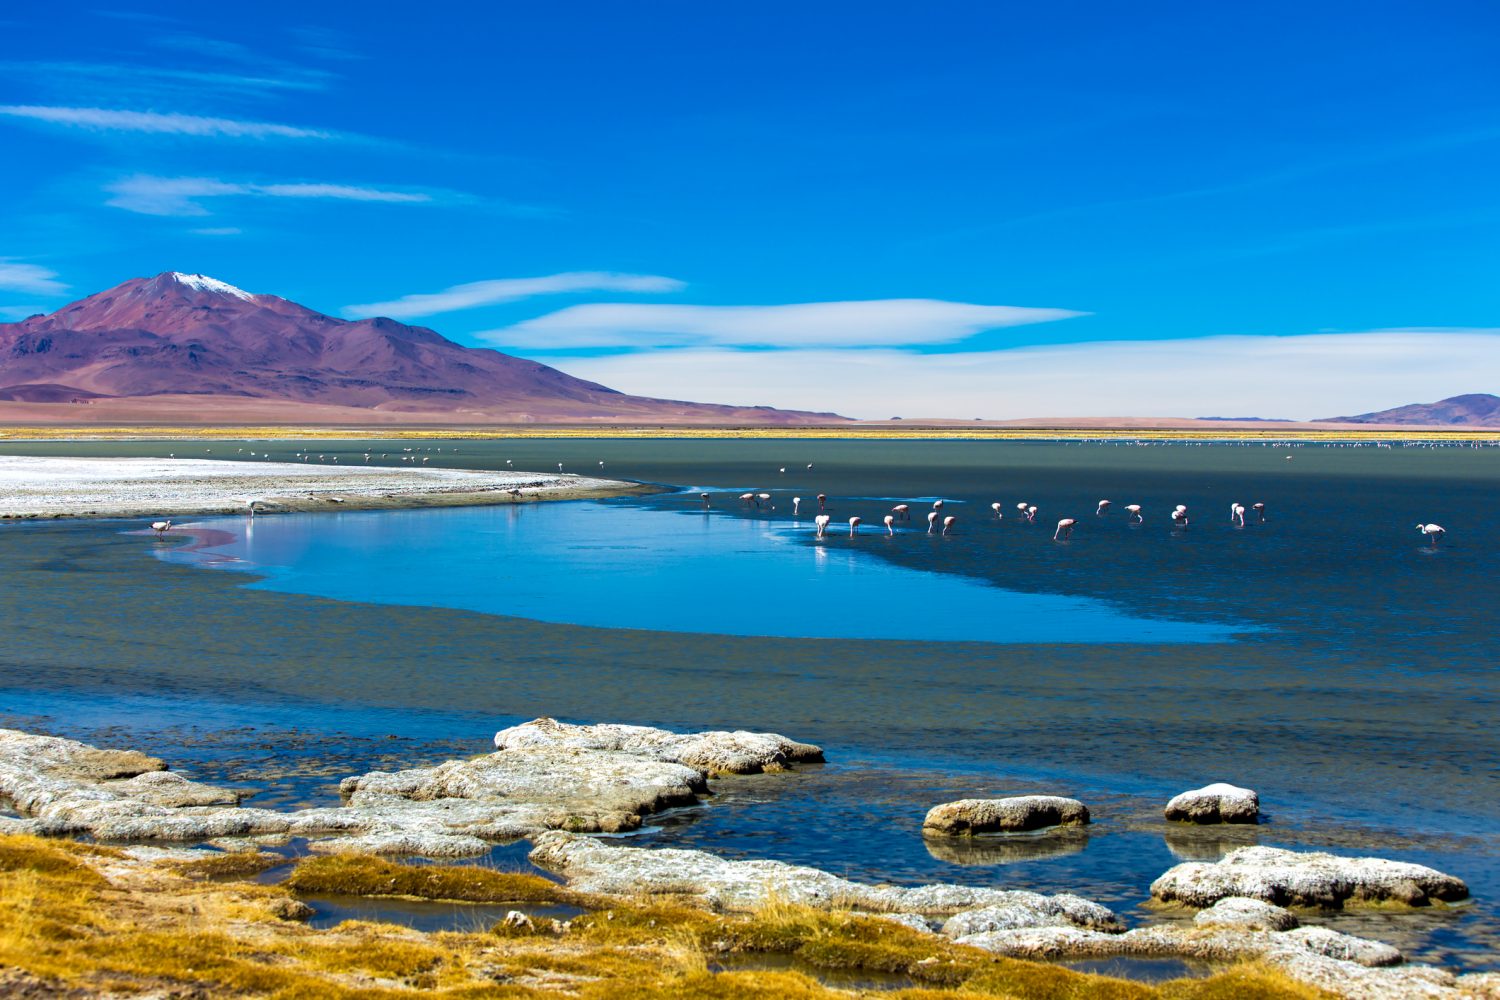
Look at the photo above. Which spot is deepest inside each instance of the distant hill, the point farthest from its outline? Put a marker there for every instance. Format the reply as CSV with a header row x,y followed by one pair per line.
x,y
1476,409
190,345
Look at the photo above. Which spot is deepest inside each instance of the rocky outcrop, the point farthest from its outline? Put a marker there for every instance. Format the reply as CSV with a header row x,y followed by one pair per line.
x,y
593,866
1293,878
1217,803
455,809
1018,813
1342,965
736,752
1033,910
1241,913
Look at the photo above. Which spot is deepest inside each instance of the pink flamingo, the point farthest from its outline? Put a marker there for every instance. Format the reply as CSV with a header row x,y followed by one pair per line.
x,y
902,510
1031,514
1103,508
822,500
1022,508
747,498
853,525
1064,529
821,522
796,506
996,508
1237,513
704,498
890,521
937,505
948,523
931,521
1260,511
1134,509
1179,516
765,497
1432,532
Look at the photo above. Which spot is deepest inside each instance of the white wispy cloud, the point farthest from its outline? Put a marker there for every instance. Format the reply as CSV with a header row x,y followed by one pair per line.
x,y
30,279
492,292
1304,377
183,196
111,120
808,324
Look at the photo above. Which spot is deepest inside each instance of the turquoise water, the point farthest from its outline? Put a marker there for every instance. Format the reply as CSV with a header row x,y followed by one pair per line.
x,y
642,567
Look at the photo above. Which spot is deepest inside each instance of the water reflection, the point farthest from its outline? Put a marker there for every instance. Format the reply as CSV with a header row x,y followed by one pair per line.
x,y
1004,849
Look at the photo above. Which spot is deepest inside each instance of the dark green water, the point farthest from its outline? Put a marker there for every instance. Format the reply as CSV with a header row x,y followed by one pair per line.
x,y
1361,706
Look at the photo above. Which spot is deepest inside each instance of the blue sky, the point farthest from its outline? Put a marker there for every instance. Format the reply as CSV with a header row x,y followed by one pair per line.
x,y
994,210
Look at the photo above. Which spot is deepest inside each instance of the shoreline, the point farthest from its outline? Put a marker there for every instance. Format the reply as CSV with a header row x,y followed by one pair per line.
x,y
49,488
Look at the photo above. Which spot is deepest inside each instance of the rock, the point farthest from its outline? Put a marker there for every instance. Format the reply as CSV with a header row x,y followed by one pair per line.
x,y
714,752
1348,948
1241,913
516,920
291,909
1218,803
590,865
1303,955
1293,878
1033,910
1022,812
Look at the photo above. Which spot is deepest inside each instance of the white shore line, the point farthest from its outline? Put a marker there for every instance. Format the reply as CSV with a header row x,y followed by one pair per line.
x,y
37,487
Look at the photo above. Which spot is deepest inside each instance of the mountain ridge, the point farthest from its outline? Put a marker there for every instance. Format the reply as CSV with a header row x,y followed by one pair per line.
x,y
1474,409
178,334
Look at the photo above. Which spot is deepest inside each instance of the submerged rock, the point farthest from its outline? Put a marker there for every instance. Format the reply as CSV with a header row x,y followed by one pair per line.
x,y
1217,803
1293,878
1243,913
1017,813
591,865
736,752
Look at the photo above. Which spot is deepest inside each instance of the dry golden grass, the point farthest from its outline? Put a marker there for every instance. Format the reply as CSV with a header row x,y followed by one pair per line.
x,y
75,917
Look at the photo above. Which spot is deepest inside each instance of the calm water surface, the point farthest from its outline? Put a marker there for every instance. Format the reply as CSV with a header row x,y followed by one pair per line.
x,y
1327,657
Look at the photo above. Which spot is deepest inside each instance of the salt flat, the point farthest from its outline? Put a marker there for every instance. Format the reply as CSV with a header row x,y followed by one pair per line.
x,y
32,487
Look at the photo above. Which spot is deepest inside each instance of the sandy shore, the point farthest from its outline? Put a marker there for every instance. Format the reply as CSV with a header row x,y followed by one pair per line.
x,y
149,487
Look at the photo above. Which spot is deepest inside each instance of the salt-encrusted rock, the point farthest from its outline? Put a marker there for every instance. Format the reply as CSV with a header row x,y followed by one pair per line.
x,y
1021,812
516,920
1306,957
1293,878
554,787
1033,910
591,865
1241,913
1217,803
1347,947
738,752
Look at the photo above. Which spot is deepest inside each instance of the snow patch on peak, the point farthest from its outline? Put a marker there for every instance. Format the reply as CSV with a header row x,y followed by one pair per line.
x,y
203,283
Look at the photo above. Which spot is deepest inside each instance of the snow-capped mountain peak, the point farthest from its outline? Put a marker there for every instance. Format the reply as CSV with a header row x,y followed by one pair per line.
x,y
203,283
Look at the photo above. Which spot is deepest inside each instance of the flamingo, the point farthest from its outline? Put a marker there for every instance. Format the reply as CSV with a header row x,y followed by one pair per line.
x,y
902,511
250,506
890,521
762,497
1103,508
1031,514
1237,513
1260,511
1179,517
996,508
796,506
1134,509
821,521
1433,532
162,527
559,466
809,465
931,521
782,469
948,522
853,526
704,498
822,500
937,505
1022,508
747,498
1064,529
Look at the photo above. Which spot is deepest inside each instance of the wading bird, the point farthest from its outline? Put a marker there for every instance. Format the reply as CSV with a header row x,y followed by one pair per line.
x,y
996,508
822,500
937,505
796,506
948,523
853,525
1102,508
1179,517
1064,529
161,527
932,521
902,511
1260,511
1432,532
1134,509
1031,514
1237,513
704,498
821,522
890,521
